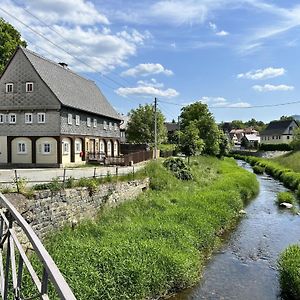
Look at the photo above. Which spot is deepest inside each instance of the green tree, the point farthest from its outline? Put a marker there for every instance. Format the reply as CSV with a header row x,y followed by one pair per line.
x,y
296,139
225,144
10,39
237,124
140,127
205,122
285,118
190,141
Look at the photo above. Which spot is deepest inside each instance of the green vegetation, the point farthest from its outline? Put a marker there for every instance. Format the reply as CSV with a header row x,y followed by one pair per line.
x,y
10,39
289,271
179,168
289,160
158,243
275,147
286,197
258,169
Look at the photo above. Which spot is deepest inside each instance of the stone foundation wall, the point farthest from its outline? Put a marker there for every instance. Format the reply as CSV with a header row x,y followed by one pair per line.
x,y
48,211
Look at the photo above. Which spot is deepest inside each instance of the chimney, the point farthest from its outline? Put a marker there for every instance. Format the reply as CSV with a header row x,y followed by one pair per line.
x,y
64,65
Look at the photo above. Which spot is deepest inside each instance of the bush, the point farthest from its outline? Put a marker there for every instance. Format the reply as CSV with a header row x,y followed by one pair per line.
x,y
179,168
289,272
258,169
286,197
275,147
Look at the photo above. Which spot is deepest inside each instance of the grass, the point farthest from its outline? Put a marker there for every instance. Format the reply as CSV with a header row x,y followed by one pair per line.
x,y
289,272
158,243
286,197
258,169
289,160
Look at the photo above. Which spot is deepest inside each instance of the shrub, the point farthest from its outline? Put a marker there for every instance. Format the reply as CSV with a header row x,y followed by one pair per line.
x,y
70,182
275,147
286,197
257,169
289,274
179,168
55,185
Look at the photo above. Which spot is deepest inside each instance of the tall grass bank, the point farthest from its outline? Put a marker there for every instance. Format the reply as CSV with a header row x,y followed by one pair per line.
x,y
157,244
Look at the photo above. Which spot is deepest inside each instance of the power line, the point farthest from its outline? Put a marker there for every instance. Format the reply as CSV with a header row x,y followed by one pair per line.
x,y
236,107
61,48
67,40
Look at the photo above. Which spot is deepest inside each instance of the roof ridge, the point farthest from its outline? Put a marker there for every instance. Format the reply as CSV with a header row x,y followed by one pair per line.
x,y
53,62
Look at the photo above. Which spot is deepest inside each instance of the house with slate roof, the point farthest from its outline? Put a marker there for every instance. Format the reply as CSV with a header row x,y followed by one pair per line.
x,y
279,132
51,116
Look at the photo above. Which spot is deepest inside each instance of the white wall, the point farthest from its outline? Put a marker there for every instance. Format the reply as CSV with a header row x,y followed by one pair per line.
x,y
3,149
21,158
46,158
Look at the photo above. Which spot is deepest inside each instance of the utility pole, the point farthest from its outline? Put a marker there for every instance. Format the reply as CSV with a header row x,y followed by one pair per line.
x,y
155,128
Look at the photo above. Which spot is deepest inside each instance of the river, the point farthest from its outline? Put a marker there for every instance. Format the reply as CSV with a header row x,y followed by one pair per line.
x,y
245,267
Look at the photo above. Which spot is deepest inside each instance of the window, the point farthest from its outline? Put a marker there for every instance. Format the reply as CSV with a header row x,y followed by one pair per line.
x,y
12,118
110,125
77,120
70,117
41,117
9,87
29,87
95,122
2,118
104,125
288,137
77,147
116,126
28,118
88,122
66,148
22,149
279,137
46,148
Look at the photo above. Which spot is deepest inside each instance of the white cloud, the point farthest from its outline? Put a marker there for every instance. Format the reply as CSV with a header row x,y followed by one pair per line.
x,y
147,69
213,26
221,102
271,88
262,74
152,83
84,32
147,91
222,33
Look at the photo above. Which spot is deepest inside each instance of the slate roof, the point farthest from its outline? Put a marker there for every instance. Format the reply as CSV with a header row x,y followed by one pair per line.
x,y
277,127
71,89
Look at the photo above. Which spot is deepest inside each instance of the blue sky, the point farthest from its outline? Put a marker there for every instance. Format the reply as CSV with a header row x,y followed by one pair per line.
x,y
230,54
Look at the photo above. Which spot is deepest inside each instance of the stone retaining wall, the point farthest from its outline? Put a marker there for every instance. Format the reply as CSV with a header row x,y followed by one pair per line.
x,y
49,211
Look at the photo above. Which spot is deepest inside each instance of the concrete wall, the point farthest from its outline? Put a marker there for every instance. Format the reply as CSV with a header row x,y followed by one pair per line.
x,y
41,156
3,149
49,211
21,158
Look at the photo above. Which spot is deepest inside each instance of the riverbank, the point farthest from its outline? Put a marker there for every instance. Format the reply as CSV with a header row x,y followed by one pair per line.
x,y
158,243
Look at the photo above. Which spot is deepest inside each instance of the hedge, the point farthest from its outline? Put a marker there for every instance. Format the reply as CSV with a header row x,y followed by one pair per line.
x,y
275,147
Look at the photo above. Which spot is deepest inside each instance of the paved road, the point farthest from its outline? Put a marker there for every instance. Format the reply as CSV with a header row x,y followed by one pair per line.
x,y
34,176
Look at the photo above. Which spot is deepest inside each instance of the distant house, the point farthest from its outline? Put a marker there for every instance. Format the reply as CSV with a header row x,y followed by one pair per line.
x,y
279,132
51,116
237,136
172,127
251,140
123,127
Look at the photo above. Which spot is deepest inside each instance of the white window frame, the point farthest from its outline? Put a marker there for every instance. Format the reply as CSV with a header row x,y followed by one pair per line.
x,y
88,122
77,120
44,148
95,123
41,118
10,116
104,125
66,147
78,147
28,84
110,125
116,126
9,88
21,149
2,118
28,118
70,119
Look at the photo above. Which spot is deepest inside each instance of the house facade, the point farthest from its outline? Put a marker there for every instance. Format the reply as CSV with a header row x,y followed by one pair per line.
x,y
279,132
238,135
51,116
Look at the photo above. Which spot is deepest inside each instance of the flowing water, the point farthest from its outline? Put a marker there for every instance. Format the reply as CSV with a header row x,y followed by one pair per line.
x,y
245,268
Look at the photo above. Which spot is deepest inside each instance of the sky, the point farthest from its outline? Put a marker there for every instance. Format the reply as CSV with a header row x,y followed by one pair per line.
x,y
230,54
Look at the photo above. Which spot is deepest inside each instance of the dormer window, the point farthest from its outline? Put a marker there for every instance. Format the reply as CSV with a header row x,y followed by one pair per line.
x,y
9,87
29,87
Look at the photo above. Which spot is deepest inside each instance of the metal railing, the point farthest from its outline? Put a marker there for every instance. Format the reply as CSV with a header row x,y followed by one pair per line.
x,y
12,266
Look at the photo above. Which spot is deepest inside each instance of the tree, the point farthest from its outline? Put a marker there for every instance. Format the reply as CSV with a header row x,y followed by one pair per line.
x,y
296,139
225,145
140,127
285,118
10,39
190,141
237,124
205,122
